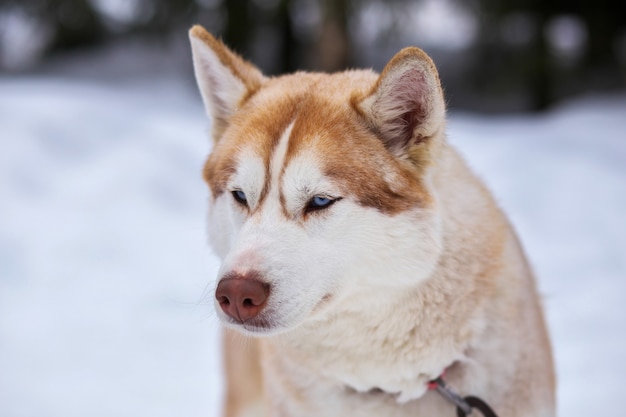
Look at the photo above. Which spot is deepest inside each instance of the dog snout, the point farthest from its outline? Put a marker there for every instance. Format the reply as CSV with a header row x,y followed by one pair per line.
x,y
242,297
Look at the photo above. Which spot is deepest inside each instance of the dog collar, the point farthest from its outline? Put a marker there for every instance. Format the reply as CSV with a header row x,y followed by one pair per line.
x,y
464,406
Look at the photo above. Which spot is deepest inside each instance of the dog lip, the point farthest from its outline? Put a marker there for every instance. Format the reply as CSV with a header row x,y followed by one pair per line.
x,y
256,327
264,324
256,324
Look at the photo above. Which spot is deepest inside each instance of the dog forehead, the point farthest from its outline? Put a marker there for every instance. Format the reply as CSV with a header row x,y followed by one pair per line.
x,y
333,137
305,98
253,132
257,126
327,136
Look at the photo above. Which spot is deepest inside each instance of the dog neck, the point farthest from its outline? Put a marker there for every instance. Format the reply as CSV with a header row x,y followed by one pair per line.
x,y
393,354
452,372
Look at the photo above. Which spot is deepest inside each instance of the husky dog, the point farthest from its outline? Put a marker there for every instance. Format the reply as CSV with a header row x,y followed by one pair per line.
x,y
361,258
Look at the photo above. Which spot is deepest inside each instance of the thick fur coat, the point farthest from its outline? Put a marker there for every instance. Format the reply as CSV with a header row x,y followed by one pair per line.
x,y
360,256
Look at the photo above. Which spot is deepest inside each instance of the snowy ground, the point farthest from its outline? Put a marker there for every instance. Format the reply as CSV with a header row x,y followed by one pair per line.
x,y
103,260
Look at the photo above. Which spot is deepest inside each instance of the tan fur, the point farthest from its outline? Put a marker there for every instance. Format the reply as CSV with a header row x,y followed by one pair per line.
x,y
243,395
477,312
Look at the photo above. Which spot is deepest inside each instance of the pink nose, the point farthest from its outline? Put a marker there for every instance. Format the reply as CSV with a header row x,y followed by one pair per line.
x,y
242,298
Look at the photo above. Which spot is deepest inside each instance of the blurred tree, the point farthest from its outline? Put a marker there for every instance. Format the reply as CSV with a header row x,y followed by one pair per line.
x,y
330,43
71,22
532,66
246,19
239,25
161,17
514,53
333,49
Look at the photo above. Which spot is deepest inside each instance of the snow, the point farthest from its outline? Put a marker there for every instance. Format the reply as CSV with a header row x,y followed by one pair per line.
x,y
103,260
561,178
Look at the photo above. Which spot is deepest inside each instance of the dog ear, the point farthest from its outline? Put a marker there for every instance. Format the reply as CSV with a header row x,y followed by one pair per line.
x,y
406,107
223,77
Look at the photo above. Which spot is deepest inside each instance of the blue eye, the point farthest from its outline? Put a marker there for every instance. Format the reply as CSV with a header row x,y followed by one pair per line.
x,y
319,203
240,197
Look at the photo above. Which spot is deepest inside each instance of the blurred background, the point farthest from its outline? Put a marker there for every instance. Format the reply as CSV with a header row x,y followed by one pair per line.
x,y
517,55
105,275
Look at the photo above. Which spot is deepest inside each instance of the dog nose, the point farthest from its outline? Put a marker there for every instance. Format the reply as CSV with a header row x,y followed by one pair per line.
x,y
242,298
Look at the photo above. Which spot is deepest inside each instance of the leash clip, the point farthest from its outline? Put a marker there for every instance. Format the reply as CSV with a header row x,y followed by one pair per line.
x,y
464,406
449,394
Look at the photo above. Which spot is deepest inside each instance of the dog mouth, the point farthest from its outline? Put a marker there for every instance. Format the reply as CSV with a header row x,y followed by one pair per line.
x,y
271,321
263,324
257,325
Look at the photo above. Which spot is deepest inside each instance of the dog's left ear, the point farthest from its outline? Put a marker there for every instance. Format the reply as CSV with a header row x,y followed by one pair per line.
x,y
406,107
224,78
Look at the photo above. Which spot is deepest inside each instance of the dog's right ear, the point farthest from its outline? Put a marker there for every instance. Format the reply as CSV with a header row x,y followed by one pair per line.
x,y
406,107
223,77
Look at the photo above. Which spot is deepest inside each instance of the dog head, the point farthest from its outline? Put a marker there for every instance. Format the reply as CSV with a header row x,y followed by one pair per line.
x,y
320,186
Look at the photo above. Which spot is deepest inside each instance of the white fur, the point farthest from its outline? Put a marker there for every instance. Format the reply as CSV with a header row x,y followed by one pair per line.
x,y
220,89
368,267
